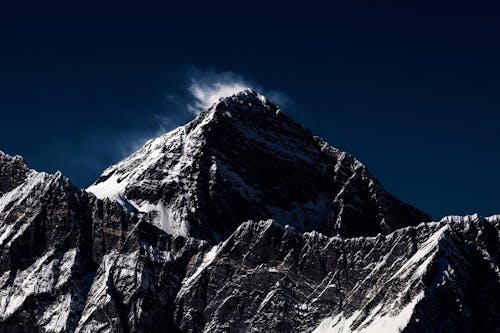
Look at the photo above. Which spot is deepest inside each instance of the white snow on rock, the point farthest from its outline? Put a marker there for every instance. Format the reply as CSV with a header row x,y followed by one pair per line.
x,y
40,278
208,258
391,314
68,261
56,316
33,182
36,279
165,161
171,154
389,322
99,294
460,218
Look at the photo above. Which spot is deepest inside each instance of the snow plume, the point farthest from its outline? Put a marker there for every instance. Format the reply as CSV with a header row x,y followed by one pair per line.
x,y
207,87
188,92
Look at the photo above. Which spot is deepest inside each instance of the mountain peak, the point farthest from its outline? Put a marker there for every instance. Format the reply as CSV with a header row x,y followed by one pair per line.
x,y
261,203
13,171
244,94
242,159
246,103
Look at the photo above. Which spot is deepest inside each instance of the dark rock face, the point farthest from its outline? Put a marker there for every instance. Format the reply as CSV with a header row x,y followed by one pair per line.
x,y
244,159
326,248
70,262
436,277
13,172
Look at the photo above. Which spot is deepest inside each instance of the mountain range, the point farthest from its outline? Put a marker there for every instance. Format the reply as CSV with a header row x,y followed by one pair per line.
x,y
239,221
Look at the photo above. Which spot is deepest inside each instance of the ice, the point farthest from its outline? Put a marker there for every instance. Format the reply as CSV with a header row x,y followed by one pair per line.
x,y
164,218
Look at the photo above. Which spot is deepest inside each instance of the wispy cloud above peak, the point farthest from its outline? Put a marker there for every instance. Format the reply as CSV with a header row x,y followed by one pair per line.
x,y
207,95
207,88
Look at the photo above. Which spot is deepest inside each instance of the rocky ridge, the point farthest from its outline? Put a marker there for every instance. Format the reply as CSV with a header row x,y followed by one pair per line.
x,y
239,221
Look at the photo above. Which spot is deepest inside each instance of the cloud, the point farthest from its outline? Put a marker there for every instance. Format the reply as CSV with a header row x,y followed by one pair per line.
x,y
207,87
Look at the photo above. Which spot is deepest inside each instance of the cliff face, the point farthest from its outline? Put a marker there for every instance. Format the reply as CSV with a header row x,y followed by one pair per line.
x,y
239,221
244,159
70,262
436,277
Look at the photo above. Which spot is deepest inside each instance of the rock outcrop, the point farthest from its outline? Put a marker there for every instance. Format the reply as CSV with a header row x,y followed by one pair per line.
x,y
240,221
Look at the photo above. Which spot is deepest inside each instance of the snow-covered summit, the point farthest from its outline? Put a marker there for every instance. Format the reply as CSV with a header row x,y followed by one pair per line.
x,y
243,159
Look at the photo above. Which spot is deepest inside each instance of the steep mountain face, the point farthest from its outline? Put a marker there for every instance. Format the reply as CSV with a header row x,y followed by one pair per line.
x,y
70,262
240,221
244,159
436,277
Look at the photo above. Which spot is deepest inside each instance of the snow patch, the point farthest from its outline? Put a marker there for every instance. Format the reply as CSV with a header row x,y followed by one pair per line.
x,y
37,279
65,270
208,258
393,321
112,188
36,182
56,316
418,263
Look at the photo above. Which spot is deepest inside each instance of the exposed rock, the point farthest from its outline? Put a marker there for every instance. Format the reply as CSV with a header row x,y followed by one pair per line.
x,y
243,159
240,221
436,277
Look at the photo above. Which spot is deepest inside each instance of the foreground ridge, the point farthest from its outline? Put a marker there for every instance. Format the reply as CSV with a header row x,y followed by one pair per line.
x,y
239,221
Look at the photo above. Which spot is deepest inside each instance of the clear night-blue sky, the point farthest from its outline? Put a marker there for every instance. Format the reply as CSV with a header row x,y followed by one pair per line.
x,y
412,90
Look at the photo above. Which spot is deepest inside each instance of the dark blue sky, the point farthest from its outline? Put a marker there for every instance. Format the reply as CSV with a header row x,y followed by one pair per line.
x,y
412,90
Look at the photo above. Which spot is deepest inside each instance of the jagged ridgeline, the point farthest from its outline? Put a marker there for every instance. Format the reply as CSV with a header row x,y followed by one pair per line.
x,y
240,221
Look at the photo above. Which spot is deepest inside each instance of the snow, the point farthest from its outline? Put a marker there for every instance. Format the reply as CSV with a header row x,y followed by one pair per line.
x,y
168,156
390,322
128,170
266,300
419,262
493,218
208,258
98,294
36,279
56,316
65,270
390,314
35,185
156,255
33,181
164,218
117,271
460,219
164,161
111,188
262,98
